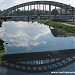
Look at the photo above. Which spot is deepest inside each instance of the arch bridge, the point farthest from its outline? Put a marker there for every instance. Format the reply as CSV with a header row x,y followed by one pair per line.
x,y
40,10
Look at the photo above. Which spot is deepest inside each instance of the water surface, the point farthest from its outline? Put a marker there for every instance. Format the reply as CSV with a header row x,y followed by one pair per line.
x,y
24,37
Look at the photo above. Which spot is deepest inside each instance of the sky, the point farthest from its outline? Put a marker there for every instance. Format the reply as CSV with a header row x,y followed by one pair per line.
x,y
4,4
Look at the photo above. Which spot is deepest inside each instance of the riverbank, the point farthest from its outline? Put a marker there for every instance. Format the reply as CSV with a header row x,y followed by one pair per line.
x,y
67,30
1,49
0,24
5,18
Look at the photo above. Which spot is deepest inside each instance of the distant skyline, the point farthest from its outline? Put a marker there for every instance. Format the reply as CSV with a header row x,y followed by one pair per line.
x,y
4,4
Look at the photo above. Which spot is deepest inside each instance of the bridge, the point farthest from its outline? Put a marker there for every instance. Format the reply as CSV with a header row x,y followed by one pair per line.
x,y
40,10
37,62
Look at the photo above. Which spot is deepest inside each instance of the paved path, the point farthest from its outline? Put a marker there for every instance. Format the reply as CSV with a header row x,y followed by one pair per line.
x,y
69,24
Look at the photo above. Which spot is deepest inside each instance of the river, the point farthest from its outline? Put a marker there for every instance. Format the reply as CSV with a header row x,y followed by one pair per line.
x,y
27,37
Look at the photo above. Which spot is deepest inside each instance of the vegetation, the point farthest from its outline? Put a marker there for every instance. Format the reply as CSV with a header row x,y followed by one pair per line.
x,y
5,18
1,49
66,29
0,24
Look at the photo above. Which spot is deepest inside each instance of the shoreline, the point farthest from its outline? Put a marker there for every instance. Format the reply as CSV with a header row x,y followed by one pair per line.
x,y
62,28
1,49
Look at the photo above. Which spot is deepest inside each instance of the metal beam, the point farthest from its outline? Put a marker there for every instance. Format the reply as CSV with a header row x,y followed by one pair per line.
x,y
49,11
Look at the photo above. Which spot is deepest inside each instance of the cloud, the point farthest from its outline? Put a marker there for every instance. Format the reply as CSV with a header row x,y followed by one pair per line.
x,y
24,44
25,39
27,34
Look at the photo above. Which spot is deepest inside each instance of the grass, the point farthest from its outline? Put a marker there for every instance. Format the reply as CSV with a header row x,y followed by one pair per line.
x,y
1,50
6,17
0,24
1,54
70,30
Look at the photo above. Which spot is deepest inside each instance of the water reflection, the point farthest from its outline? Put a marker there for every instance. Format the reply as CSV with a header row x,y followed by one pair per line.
x,y
2,69
24,37
56,33
0,23
39,61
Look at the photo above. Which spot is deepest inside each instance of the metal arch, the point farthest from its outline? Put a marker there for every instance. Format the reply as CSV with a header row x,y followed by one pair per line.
x,y
39,2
